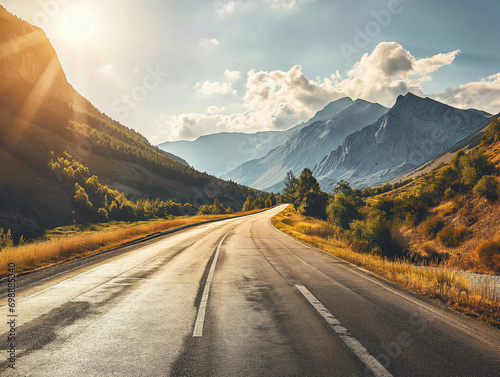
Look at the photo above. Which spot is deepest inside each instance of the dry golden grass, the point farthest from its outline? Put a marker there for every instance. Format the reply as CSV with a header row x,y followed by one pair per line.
x,y
446,208
479,216
63,248
437,283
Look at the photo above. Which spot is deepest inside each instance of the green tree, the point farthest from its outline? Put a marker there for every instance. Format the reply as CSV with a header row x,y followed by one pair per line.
x,y
271,200
306,183
314,204
309,199
291,182
249,204
260,203
342,210
218,207
6,239
102,214
81,198
343,187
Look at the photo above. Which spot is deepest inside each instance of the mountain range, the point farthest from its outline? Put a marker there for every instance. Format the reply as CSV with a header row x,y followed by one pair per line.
x,y
308,146
363,143
413,131
221,153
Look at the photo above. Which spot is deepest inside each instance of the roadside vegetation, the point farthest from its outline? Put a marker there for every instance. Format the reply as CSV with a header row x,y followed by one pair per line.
x,y
437,283
104,218
447,219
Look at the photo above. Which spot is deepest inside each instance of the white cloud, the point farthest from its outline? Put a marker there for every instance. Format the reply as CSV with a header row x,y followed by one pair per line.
x,y
273,100
429,65
209,43
226,8
484,95
281,99
108,70
215,110
389,71
191,126
232,75
287,5
208,88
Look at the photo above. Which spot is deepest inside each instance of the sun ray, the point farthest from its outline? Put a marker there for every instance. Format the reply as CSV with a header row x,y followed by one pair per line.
x,y
19,43
29,109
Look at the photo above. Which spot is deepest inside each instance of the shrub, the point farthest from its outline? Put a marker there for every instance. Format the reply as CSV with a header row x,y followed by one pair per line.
x,y
488,253
432,226
451,236
379,235
492,134
487,187
413,209
343,210
217,208
386,206
473,167
427,252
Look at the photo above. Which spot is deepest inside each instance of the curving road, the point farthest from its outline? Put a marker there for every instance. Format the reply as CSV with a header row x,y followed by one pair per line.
x,y
236,298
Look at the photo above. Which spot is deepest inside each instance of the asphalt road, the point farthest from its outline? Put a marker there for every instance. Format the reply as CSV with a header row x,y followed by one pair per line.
x,y
236,298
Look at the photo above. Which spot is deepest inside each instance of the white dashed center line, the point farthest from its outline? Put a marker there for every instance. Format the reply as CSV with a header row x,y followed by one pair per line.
x,y
351,342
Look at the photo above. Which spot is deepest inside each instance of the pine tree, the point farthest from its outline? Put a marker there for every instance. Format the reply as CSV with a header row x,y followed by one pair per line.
x,y
5,239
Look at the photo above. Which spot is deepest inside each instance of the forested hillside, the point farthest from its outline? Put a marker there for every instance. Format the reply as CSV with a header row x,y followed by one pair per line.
x,y
43,118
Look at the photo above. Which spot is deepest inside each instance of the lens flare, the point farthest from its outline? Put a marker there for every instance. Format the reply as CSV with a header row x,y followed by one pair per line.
x,y
78,24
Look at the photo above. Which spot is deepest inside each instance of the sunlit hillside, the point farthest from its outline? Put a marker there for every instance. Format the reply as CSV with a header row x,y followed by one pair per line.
x,y
42,116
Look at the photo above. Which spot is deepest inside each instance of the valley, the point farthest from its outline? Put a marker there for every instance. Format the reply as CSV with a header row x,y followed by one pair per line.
x,y
249,188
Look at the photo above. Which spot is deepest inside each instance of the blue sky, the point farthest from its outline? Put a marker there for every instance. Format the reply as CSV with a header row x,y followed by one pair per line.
x,y
179,69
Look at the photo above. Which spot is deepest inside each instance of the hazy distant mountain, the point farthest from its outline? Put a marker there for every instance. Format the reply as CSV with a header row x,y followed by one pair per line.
x,y
412,132
307,147
42,116
220,153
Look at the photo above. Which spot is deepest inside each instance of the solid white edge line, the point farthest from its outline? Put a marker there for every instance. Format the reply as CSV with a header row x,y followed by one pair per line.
x,y
351,342
200,319
361,272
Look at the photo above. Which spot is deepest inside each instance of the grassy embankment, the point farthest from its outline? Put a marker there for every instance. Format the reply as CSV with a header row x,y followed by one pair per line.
x,y
439,283
76,241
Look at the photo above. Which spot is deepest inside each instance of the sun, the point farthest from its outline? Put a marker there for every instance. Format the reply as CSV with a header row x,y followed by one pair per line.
x,y
78,23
